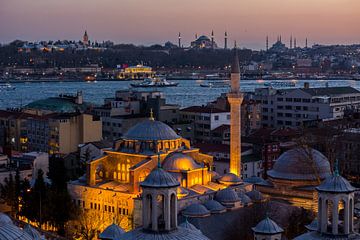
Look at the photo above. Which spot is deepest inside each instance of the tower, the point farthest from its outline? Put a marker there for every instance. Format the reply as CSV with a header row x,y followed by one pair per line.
x,y
179,39
334,192
267,229
212,39
225,41
290,41
267,43
86,39
159,201
306,43
235,99
196,36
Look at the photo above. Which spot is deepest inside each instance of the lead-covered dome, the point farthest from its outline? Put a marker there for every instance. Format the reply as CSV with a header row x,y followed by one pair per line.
x,y
196,210
178,161
159,178
8,231
267,226
301,164
151,130
336,184
112,232
227,195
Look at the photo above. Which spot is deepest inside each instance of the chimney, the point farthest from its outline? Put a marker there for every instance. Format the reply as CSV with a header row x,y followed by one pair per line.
x,y
306,85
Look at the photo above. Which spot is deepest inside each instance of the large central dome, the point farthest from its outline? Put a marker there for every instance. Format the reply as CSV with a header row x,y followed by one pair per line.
x,y
149,130
301,164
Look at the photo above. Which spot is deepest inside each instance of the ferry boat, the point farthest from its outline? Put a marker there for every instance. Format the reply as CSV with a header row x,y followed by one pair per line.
x,y
279,84
215,84
6,86
154,82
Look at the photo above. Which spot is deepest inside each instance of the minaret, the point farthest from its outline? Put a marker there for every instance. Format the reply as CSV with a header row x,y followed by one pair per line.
x,y
280,38
290,41
212,39
294,42
179,40
225,42
306,44
196,36
267,43
235,99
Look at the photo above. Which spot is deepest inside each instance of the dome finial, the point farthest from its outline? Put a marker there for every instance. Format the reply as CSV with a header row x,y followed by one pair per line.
x,y
336,168
151,115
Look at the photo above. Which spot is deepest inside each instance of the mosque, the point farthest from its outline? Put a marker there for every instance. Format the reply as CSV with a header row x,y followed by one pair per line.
x,y
112,183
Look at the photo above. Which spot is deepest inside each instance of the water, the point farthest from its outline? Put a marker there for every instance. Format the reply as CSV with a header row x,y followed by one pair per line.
x,y
187,93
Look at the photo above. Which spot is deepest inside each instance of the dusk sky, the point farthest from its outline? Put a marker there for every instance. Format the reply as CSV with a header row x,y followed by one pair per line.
x,y
157,21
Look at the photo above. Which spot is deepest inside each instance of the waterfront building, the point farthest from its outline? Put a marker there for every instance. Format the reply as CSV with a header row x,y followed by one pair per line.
x,y
295,176
294,107
62,133
334,194
136,72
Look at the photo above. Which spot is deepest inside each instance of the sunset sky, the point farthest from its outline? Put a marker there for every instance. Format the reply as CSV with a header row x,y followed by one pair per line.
x,y
157,21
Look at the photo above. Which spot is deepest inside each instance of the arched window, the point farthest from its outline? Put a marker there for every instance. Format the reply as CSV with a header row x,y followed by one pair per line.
x,y
173,212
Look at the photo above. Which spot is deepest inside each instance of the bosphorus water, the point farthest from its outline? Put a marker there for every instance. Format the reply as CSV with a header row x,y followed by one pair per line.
x,y
187,93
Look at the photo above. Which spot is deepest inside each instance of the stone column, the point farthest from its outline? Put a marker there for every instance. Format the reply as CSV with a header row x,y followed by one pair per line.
x,y
335,217
167,213
324,215
346,216
154,224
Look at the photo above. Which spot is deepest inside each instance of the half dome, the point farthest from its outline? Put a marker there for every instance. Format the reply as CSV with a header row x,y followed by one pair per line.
x,y
178,161
150,130
301,164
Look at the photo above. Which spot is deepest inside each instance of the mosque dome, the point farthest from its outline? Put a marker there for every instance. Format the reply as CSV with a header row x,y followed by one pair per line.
x,y
8,231
245,199
151,130
230,179
214,206
255,195
336,184
35,235
267,226
256,180
203,38
227,195
188,225
179,161
159,178
111,232
295,164
196,210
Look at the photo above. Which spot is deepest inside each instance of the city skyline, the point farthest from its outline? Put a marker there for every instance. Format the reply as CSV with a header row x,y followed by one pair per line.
x,y
146,23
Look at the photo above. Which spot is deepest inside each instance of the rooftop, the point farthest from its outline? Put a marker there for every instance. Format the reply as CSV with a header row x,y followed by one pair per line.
x,y
202,109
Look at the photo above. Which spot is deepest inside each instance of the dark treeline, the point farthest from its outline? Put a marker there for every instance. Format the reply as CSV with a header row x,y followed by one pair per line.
x,y
155,56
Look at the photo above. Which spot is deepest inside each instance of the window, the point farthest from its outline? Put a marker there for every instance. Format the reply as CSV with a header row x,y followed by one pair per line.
x,y
216,117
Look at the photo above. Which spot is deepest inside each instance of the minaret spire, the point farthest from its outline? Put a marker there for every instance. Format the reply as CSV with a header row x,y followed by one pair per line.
x,y
179,40
291,40
235,99
225,42
267,42
212,39
306,43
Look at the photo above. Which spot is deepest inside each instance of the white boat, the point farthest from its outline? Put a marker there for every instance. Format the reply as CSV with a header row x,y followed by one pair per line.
x,y
215,84
6,86
154,82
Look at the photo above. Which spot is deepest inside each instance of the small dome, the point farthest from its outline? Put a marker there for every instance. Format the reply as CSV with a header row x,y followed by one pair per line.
x,y
5,219
150,130
8,231
111,232
179,161
230,179
159,178
245,199
227,195
32,232
336,184
214,206
267,226
255,180
255,195
203,38
196,210
295,164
